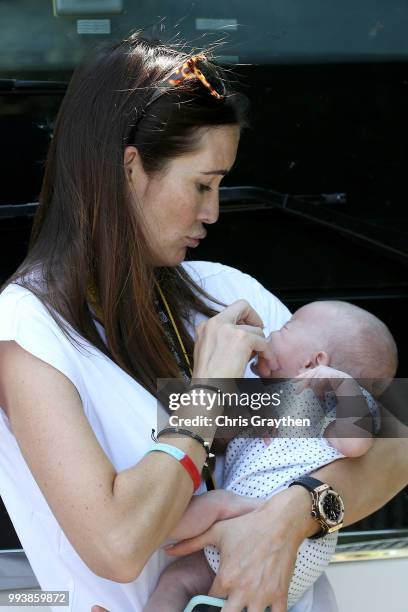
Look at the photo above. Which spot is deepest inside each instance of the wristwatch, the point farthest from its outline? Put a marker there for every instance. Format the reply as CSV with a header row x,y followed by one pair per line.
x,y
327,505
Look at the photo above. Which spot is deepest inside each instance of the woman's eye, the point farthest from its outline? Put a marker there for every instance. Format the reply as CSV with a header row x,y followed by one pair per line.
x,y
202,188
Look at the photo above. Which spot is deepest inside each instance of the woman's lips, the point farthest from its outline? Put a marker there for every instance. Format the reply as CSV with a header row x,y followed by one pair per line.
x,y
193,242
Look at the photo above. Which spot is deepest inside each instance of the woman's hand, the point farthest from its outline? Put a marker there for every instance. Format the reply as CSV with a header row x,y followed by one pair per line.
x,y
320,379
204,510
226,342
258,551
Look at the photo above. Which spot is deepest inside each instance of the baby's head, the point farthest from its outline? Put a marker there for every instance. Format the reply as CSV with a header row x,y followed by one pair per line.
x,y
339,335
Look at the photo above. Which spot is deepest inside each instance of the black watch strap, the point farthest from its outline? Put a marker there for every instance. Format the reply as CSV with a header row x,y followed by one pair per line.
x,y
308,482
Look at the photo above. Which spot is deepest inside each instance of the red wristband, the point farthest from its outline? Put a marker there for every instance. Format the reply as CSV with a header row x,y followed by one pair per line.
x,y
191,468
182,458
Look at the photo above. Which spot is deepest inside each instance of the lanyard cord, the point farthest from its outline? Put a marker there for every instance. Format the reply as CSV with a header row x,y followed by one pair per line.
x,y
210,480
92,294
175,328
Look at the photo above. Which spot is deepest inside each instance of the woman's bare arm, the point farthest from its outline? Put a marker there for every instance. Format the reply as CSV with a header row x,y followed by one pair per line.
x,y
68,464
365,483
79,482
258,549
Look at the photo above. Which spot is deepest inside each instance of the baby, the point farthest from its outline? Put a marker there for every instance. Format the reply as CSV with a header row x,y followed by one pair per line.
x,y
324,346
325,343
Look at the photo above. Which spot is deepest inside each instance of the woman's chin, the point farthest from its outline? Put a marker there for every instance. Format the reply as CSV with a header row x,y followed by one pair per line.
x,y
173,260
178,259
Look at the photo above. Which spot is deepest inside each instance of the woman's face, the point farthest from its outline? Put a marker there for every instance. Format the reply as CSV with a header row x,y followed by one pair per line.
x,y
176,204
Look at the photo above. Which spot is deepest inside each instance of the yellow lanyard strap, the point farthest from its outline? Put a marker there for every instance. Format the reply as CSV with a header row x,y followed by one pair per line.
x,y
210,474
175,329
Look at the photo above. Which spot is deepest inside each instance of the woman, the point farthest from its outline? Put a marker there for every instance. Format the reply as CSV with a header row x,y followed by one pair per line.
x,y
143,138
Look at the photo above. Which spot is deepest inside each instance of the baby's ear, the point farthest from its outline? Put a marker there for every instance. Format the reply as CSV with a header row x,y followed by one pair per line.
x,y
322,358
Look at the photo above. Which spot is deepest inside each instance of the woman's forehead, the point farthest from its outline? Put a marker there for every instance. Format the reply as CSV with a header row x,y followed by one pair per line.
x,y
217,149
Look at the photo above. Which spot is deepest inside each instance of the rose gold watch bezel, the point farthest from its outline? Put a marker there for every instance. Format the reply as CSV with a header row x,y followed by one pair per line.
x,y
330,525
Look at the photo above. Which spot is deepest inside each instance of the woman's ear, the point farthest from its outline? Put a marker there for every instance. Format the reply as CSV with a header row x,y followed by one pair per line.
x,y
134,171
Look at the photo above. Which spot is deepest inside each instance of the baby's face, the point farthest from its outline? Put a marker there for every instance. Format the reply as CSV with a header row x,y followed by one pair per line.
x,y
293,344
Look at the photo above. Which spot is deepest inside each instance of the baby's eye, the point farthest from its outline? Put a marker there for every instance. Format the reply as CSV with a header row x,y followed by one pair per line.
x,y
202,188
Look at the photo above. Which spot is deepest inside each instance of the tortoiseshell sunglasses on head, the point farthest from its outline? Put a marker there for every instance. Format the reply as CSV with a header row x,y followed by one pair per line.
x,y
196,67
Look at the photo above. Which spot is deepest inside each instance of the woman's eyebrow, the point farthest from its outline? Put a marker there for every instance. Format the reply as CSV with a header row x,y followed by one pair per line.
x,y
222,172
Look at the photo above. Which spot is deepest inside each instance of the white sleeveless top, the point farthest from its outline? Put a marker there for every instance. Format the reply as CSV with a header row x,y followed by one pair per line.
x,y
121,413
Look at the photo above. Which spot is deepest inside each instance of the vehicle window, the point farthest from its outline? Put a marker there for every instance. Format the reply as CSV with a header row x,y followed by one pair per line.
x,y
34,37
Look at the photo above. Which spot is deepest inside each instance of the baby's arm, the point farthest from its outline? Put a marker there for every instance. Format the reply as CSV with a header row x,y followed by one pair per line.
x,y
204,510
192,575
346,432
179,582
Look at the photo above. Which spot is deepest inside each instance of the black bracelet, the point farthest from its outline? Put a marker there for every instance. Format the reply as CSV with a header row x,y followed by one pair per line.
x,y
203,387
185,432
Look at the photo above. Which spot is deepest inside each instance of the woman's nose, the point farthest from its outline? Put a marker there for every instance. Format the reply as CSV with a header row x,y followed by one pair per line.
x,y
210,211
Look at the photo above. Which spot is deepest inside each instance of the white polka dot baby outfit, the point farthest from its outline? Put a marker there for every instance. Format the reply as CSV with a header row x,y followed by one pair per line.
x,y
255,469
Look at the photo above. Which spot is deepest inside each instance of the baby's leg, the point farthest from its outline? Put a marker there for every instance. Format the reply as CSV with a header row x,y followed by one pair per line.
x,y
179,582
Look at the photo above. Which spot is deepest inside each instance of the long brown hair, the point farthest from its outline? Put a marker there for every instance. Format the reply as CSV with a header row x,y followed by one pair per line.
x,y
85,230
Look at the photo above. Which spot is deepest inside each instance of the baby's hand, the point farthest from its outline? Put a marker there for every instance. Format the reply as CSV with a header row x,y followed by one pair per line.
x,y
320,379
264,367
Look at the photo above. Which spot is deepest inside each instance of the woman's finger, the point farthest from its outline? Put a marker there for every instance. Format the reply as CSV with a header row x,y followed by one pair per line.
x,y
307,375
185,547
266,363
303,380
98,609
301,385
240,312
262,346
251,329
235,603
280,604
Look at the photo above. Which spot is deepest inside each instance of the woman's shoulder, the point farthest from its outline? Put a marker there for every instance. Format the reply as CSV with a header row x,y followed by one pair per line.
x,y
31,320
26,320
15,293
14,298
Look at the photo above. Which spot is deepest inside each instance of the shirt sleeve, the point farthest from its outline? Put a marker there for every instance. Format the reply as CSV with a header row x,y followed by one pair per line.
x,y
330,410
24,319
374,410
273,312
229,284
330,402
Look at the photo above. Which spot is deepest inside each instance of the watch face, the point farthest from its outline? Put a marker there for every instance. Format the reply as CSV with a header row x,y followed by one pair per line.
x,y
331,507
